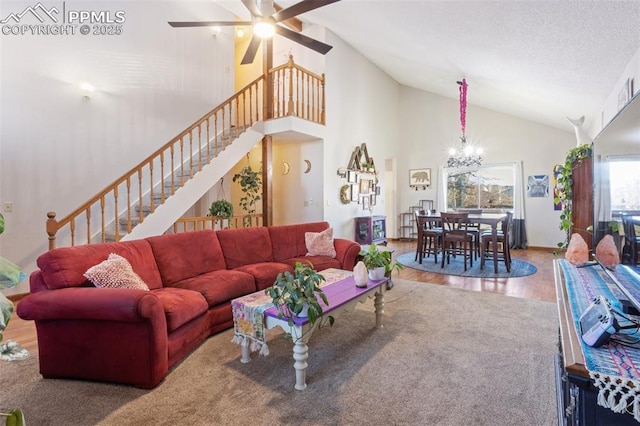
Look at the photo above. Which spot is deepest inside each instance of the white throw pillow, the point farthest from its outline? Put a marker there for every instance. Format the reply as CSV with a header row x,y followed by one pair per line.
x,y
115,272
320,243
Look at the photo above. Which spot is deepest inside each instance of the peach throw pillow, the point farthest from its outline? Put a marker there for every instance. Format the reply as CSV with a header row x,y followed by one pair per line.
x,y
320,243
115,272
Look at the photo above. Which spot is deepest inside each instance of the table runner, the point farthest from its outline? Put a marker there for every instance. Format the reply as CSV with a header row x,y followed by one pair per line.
x,y
614,368
248,313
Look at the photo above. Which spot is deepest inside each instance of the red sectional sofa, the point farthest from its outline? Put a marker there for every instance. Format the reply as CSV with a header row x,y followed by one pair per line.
x,y
134,336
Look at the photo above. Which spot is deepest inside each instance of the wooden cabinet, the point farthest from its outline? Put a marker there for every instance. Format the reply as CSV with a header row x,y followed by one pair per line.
x,y
371,230
582,199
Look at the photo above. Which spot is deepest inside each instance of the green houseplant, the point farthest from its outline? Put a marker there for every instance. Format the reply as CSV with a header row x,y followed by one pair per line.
x,y
297,295
378,262
10,275
222,209
251,184
564,192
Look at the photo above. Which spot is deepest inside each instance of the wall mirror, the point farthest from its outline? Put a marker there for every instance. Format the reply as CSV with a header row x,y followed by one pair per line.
x,y
616,160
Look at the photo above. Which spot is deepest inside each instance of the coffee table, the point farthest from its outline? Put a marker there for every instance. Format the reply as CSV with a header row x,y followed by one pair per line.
x,y
343,296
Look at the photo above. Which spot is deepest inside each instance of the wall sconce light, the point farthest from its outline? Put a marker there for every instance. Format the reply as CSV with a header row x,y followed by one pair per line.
x,y
86,89
239,33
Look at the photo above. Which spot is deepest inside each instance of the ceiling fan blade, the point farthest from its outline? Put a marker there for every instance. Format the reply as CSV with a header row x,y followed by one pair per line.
x,y
309,42
252,6
300,8
209,24
250,54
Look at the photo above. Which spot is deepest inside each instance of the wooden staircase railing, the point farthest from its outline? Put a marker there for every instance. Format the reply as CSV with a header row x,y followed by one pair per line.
x,y
187,224
130,198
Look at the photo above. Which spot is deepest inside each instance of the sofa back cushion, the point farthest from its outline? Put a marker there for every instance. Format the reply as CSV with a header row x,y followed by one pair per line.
x,y
245,246
64,267
288,240
187,254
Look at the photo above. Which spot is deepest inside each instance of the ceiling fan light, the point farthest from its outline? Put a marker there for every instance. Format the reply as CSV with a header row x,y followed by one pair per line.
x,y
264,29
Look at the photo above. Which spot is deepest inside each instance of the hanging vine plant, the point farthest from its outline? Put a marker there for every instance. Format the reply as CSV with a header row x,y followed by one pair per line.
x,y
251,184
564,191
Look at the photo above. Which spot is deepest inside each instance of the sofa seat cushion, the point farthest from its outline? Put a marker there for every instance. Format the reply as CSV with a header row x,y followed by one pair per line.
x,y
318,263
180,305
265,273
185,255
245,246
219,287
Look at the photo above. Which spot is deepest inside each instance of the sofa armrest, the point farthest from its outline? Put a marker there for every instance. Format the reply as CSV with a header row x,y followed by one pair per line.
x,y
76,303
346,252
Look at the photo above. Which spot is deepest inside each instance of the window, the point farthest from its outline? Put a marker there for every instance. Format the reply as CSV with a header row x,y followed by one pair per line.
x,y
624,181
486,187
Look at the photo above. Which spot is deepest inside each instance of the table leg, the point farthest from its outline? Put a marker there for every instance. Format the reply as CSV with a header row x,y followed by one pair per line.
x,y
379,305
246,356
494,241
300,355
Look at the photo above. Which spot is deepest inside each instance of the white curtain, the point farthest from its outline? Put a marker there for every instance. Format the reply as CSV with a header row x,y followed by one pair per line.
x,y
519,233
441,191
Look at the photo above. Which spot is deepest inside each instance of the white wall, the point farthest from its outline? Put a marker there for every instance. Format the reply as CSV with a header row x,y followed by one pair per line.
x,y
430,125
298,196
58,149
363,106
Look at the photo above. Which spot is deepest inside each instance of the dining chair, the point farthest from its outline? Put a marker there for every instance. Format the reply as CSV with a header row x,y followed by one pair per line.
x,y
456,240
432,235
631,240
473,228
503,243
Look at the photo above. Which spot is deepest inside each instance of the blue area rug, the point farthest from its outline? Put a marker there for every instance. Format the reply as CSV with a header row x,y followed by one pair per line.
x,y
519,268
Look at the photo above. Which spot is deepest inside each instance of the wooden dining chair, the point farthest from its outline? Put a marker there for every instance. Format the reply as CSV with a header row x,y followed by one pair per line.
x,y
631,240
503,249
456,240
429,236
473,228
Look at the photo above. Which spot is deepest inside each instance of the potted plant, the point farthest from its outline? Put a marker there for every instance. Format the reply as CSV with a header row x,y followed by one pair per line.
x,y
222,209
251,184
10,275
378,262
296,295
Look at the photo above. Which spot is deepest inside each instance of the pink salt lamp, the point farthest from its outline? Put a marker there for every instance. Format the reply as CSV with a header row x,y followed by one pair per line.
x,y
577,251
607,252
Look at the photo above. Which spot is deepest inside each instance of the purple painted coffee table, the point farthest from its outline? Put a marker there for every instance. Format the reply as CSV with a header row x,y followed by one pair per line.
x,y
342,296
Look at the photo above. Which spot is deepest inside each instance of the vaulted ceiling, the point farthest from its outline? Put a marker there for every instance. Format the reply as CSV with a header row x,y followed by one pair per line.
x,y
540,60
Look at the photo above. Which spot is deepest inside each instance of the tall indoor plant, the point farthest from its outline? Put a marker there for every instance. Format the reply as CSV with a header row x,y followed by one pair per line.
x,y
296,295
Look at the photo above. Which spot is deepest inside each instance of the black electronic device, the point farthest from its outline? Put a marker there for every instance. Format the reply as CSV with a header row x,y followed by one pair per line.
x,y
597,323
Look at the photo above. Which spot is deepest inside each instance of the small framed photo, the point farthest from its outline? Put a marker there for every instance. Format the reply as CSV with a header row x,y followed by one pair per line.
x,y
352,176
364,186
365,203
419,177
373,199
377,190
355,192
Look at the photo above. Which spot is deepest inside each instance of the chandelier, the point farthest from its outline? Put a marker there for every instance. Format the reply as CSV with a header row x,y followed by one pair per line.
x,y
467,155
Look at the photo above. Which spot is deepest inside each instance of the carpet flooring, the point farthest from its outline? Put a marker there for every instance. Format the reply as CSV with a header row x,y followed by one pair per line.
x,y
519,268
444,357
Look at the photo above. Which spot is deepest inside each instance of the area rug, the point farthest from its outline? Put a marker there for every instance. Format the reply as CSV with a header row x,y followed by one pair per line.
x,y
445,356
519,268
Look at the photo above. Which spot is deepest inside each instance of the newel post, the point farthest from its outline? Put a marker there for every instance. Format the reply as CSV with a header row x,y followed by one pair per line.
x,y
322,110
290,103
52,229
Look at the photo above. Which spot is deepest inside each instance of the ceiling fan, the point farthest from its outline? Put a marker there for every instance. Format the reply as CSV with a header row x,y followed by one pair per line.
x,y
265,19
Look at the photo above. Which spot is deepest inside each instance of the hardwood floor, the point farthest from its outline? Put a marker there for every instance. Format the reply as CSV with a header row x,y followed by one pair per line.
x,y
538,286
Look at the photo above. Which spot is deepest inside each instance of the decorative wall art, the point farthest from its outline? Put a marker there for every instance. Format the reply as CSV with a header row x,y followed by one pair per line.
x,y
538,186
420,178
362,179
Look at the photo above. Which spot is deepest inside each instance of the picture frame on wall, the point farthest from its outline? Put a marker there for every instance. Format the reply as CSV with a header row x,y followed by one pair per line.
x,y
419,178
364,186
352,176
373,199
355,192
365,203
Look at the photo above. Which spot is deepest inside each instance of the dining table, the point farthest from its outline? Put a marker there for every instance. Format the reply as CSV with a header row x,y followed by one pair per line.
x,y
491,219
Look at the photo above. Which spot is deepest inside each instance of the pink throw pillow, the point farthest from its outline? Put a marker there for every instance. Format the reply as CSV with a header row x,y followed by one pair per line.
x,y
320,243
115,272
